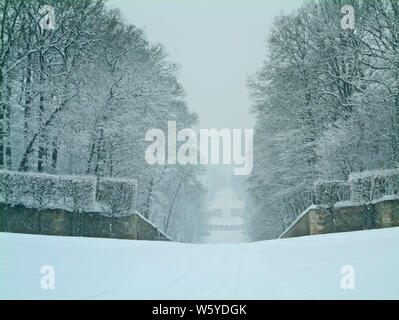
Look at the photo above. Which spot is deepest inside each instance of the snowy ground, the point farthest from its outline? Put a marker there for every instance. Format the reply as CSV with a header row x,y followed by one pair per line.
x,y
304,268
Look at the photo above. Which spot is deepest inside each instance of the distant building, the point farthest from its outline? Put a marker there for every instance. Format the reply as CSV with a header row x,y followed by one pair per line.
x,y
237,212
225,223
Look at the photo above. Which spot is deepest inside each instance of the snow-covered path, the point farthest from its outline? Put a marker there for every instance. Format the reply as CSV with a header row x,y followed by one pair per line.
x,y
307,267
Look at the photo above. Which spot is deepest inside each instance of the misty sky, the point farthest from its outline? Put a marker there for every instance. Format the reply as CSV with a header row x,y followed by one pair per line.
x,y
218,45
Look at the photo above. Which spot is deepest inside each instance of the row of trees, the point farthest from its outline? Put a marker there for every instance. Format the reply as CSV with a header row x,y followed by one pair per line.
x,y
77,97
326,103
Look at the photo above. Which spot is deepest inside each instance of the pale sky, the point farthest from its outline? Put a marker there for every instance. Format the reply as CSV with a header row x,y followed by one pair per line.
x,y
218,45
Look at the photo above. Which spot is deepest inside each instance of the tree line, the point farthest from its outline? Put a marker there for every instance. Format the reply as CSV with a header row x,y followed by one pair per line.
x,y
79,97
326,103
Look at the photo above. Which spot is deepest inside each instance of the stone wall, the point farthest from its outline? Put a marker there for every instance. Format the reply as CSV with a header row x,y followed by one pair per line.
x,y
87,206
300,227
387,213
20,219
344,218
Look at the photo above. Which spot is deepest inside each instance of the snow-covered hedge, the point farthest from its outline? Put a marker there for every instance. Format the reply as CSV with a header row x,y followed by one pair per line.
x,y
117,196
331,192
372,185
36,190
72,193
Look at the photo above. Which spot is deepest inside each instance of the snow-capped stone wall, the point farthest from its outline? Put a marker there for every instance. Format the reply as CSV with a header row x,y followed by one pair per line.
x,y
367,200
353,217
20,219
72,206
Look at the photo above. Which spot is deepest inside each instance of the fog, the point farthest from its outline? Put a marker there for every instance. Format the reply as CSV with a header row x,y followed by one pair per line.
x,y
218,46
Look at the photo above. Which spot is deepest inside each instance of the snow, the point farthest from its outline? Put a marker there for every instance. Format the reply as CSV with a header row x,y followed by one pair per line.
x,y
346,203
372,185
350,203
152,224
312,207
374,173
296,268
38,190
386,198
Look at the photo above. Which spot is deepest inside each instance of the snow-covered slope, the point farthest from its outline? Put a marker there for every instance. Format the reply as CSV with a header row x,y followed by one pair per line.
x,y
304,268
